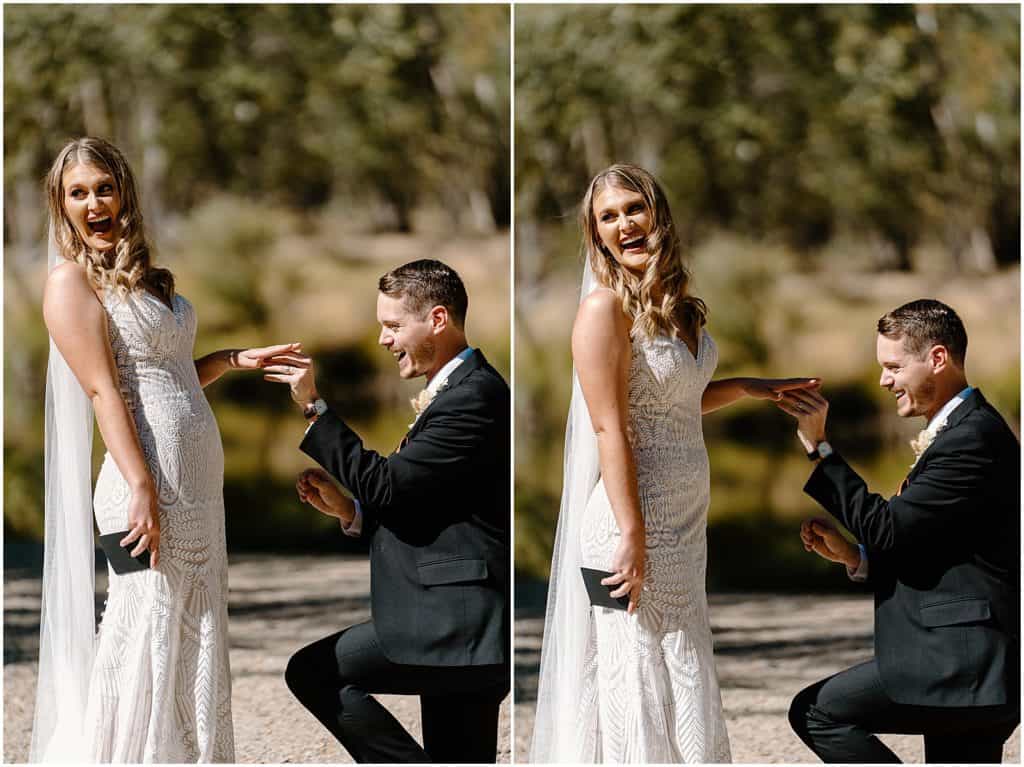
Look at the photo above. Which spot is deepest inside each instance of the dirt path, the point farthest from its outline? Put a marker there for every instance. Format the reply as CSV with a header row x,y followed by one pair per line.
x,y
767,648
277,605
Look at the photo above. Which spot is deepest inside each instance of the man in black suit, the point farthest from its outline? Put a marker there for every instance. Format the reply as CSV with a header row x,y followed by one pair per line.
x,y
436,512
942,557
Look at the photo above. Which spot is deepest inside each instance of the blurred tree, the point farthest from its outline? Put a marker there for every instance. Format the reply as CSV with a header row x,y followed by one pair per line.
x,y
389,107
794,122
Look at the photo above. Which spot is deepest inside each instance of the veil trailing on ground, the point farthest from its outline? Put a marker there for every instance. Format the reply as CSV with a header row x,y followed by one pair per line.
x,y
67,624
565,727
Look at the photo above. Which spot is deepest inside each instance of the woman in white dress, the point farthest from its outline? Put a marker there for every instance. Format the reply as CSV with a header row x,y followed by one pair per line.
x,y
638,685
154,685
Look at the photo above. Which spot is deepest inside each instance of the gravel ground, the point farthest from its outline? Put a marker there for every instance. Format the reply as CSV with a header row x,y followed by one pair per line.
x,y
767,648
277,604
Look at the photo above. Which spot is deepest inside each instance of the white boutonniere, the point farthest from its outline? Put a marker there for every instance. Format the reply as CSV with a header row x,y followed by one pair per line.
x,y
422,400
925,439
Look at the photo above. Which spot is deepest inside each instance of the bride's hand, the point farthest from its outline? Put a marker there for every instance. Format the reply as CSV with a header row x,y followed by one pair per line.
x,y
254,359
144,520
775,388
628,566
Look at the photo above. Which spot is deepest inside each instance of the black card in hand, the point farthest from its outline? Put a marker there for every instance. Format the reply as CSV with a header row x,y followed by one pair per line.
x,y
120,557
600,596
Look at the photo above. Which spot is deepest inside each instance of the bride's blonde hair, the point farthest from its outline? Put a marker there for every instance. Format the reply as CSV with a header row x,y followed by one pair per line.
x,y
676,312
129,262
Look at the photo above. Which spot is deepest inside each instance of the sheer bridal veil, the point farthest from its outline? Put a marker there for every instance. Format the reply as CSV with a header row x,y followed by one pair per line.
x,y
565,726
67,625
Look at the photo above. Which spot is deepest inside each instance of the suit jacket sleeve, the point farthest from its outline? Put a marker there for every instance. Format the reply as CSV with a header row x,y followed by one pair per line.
x,y
432,464
937,504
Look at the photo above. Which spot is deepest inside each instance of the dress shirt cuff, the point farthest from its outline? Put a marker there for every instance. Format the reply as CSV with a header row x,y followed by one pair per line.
x,y
354,528
860,574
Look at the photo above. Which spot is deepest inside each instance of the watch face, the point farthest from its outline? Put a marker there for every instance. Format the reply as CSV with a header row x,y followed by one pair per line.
x,y
320,406
824,449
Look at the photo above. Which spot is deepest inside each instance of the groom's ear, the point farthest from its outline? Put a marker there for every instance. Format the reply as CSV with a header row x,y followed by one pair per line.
x,y
939,358
439,319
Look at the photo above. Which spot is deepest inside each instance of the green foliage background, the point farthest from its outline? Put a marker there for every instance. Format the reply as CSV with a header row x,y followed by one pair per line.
x,y
287,156
825,163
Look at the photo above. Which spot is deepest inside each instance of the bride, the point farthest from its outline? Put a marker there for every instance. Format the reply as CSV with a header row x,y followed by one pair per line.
x,y
154,685
636,685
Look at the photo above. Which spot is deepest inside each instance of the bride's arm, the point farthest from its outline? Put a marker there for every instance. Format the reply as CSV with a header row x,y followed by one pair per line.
x,y
78,325
601,353
214,365
725,391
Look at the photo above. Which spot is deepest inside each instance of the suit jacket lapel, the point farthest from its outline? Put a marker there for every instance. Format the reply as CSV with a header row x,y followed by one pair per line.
x,y
973,401
475,360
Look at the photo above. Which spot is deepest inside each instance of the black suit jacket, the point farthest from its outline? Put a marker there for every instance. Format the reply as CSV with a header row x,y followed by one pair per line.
x,y
437,515
944,562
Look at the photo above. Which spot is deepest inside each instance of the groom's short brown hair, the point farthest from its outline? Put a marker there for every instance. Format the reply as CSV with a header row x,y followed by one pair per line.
x,y
425,284
924,323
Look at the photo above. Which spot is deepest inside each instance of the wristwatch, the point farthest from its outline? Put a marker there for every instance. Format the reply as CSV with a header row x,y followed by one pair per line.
x,y
822,450
314,409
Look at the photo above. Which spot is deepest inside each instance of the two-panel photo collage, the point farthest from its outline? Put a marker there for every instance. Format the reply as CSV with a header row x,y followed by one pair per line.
x,y
523,383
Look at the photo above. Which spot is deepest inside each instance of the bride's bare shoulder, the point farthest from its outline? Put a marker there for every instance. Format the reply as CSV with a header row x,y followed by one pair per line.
x,y
68,290
600,324
69,276
602,305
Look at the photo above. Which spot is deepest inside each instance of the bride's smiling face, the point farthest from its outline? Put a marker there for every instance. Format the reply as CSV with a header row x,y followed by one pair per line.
x,y
623,222
92,203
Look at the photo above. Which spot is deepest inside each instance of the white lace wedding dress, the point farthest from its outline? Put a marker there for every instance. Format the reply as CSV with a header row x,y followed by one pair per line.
x,y
160,689
654,680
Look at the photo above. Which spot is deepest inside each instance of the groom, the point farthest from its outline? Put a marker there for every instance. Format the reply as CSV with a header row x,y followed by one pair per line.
x,y
436,513
942,557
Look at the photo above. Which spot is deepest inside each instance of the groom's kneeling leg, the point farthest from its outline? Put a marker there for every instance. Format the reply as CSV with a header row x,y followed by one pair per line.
x,y
311,678
371,734
321,675
463,728
364,727
832,717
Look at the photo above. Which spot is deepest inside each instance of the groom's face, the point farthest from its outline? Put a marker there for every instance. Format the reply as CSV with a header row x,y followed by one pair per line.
x,y
910,377
408,336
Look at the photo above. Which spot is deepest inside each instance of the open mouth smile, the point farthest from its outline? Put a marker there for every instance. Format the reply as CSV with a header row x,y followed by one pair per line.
x,y
636,245
100,225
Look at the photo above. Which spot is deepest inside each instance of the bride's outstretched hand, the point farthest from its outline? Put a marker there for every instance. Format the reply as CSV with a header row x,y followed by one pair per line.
x,y
775,388
628,566
280,354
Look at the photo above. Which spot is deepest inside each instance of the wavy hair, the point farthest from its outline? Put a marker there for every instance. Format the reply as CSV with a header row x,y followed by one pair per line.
x,y
129,262
658,301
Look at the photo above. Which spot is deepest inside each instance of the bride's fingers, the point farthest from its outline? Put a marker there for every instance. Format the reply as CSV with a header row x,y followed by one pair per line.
x,y
142,545
614,579
795,383
298,360
634,600
133,535
277,378
621,591
269,351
